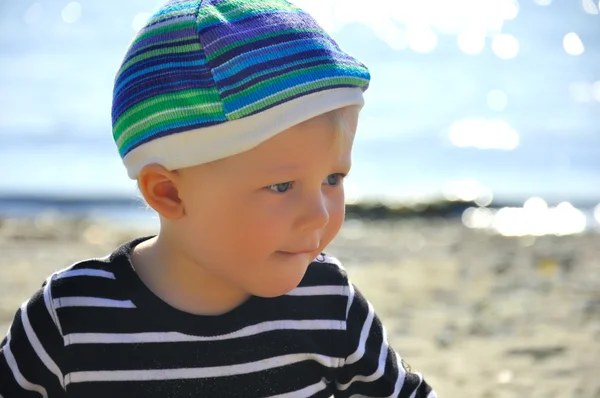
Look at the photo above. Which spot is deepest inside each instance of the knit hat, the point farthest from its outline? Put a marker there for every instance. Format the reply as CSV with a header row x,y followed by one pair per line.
x,y
207,79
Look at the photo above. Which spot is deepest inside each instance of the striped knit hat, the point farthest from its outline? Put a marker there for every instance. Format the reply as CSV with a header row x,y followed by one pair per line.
x,y
207,79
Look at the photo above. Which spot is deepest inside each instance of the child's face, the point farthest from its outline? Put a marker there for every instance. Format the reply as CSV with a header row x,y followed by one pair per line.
x,y
257,219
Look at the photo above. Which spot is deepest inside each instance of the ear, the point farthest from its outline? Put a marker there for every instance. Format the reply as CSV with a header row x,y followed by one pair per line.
x,y
160,188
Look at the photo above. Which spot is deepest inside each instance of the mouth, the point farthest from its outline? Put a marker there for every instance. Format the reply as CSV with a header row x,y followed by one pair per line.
x,y
295,253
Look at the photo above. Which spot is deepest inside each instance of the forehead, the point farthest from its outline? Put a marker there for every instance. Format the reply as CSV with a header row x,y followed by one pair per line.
x,y
319,139
316,143
319,145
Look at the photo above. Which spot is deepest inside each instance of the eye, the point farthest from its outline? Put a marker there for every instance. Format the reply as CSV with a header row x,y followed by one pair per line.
x,y
335,179
281,187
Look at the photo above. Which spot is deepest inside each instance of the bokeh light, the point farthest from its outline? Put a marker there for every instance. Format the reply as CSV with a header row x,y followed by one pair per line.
x,y
478,217
590,6
441,16
535,218
33,14
392,35
421,38
573,44
505,46
483,134
72,12
468,190
471,42
581,91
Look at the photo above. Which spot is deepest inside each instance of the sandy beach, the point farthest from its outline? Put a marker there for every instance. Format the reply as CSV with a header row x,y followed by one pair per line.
x,y
480,315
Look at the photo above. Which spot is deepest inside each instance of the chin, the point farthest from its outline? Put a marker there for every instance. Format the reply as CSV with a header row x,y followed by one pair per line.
x,y
279,283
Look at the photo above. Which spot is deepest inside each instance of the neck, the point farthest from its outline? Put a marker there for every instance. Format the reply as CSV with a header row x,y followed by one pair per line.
x,y
182,282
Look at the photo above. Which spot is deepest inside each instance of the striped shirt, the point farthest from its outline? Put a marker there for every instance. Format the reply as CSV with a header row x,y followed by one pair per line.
x,y
95,330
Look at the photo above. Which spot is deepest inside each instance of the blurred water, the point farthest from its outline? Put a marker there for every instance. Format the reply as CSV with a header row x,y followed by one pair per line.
x,y
536,112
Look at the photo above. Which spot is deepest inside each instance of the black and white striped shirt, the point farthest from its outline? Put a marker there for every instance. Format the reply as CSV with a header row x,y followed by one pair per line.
x,y
95,330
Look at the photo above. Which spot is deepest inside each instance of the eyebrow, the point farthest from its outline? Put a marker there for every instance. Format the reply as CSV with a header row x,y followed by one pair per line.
x,y
296,168
286,168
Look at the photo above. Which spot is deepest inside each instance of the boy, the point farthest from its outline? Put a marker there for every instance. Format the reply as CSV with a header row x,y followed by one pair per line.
x,y
236,118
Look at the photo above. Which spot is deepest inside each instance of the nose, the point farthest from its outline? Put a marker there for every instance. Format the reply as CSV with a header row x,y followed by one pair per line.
x,y
315,214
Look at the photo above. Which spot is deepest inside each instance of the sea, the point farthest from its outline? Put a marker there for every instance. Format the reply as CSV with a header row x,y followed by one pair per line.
x,y
499,98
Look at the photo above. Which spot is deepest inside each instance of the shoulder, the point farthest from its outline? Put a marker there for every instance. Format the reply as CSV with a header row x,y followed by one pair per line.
x,y
81,276
90,286
94,276
42,310
94,282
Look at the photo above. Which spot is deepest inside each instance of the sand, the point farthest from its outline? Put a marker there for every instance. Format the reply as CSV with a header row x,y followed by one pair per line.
x,y
480,315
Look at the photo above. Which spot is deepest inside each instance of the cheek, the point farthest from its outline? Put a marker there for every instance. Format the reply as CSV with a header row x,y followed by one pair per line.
x,y
253,227
336,210
262,224
210,224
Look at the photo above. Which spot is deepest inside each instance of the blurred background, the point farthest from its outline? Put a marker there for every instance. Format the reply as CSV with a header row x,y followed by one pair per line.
x,y
485,110
491,99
